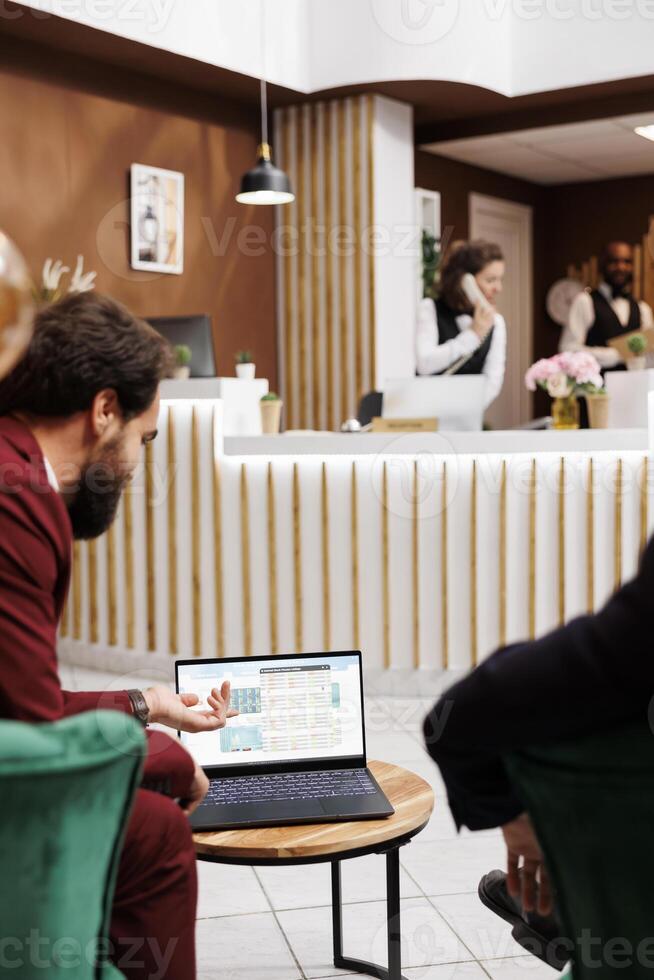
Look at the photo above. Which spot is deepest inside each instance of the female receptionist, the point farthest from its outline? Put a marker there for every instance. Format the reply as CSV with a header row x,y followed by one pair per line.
x,y
461,332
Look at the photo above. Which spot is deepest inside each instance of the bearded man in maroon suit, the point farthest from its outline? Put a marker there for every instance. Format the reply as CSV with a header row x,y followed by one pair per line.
x,y
74,415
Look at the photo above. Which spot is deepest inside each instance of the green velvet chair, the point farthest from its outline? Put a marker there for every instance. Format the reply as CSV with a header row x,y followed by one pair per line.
x,y
66,791
591,801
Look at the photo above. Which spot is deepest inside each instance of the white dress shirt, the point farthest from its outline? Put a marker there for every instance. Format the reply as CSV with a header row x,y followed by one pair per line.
x,y
582,317
50,473
433,358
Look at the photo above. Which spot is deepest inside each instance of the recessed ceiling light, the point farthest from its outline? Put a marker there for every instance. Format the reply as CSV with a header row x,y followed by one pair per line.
x,y
646,131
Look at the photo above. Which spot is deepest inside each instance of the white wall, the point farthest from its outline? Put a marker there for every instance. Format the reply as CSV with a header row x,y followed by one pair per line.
x,y
395,264
510,46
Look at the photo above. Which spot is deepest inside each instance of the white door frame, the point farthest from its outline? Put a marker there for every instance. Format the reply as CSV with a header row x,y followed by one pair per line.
x,y
514,404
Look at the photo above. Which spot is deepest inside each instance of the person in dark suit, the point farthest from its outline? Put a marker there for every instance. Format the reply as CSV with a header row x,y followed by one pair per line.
x,y
594,673
74,414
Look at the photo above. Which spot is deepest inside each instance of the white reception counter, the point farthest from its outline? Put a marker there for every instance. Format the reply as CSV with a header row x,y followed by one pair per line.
x,y
426,551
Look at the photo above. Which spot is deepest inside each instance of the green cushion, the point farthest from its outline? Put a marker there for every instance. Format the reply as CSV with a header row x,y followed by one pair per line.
x,y
66,791
592,804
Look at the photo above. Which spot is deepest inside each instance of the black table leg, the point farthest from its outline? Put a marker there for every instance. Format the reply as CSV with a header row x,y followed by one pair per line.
x,y
392,924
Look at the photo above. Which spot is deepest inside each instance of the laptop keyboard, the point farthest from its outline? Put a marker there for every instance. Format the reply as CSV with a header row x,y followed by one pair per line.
x,y
290,786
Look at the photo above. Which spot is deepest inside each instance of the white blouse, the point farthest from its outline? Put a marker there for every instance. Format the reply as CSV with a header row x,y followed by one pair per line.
x,y
432,357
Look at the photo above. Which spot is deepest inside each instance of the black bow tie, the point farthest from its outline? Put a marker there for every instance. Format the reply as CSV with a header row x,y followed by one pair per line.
x,y
620,292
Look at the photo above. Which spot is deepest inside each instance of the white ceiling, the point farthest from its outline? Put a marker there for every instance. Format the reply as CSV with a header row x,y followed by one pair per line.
x,y
594,150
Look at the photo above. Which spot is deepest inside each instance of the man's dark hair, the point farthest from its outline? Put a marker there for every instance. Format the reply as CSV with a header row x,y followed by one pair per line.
x,y
82,345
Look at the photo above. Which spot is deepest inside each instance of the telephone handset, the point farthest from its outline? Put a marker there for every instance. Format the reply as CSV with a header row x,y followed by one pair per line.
x,y
474,295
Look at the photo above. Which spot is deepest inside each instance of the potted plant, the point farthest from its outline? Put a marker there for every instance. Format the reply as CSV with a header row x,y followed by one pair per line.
x,y
271,413
182,369
565,377
245,366
637,345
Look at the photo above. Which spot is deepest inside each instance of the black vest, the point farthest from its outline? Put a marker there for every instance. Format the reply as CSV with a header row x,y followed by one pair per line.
x,y
606,325
448,329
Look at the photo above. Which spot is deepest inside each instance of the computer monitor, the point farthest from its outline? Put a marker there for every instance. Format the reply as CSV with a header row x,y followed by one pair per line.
x,y
456,401
194,331
298,708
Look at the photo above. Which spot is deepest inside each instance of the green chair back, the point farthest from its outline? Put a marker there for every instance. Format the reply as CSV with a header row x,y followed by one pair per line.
x,y
66,790
592,805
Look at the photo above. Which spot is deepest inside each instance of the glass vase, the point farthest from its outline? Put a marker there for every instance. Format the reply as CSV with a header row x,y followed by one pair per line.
x,y
565,412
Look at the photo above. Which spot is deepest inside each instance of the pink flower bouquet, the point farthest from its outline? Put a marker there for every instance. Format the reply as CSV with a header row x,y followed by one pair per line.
x,y
570,373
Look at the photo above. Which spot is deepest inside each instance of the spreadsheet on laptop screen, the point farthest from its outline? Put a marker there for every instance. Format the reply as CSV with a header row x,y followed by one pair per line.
x,y
297,709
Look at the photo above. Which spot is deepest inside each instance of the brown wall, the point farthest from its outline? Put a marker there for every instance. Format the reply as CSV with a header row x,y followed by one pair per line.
x,y
582,217
69,136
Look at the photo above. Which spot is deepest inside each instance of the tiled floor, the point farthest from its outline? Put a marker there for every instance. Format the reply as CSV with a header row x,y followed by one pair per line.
x,y
275,924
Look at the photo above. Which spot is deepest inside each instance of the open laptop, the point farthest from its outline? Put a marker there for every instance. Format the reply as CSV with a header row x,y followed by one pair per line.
x,y
457,401
296,753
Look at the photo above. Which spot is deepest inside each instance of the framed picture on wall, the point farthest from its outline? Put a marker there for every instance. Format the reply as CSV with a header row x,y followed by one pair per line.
x,y
157,219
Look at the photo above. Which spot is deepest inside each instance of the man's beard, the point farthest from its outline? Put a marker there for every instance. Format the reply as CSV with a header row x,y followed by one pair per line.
x,y
93,508
620,285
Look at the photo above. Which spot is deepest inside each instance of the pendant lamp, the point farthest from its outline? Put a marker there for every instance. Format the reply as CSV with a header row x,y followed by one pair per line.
x,y
265,183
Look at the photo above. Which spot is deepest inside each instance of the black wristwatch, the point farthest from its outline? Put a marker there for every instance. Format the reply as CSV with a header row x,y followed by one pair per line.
x,y
139,706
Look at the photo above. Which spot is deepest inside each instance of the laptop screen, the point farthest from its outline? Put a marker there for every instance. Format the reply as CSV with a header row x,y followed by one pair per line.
x,y
297,708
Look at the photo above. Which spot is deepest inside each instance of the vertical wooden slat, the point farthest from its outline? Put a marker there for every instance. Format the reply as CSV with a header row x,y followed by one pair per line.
x,y
343,288
297,558
372,355
196,541
301,198
326,576
272,561
618,527
590,539
92,561
385,570
112,602
415,565
289,399
532,551
502,569
561,540
150,558
593,272
644,504
245,563
354,533
359,256
474,649
445,639
638,273
128,545
173,645
77,591
217,538
329,263
316,278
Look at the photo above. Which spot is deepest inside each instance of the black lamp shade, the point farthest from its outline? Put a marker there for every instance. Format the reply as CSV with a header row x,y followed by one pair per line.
x,y
265,184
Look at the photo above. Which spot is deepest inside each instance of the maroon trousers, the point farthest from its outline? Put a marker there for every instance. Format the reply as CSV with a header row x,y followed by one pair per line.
x,y
153,923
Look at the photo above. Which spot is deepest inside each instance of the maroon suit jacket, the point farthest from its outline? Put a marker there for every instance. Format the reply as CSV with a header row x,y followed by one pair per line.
x,y
35,554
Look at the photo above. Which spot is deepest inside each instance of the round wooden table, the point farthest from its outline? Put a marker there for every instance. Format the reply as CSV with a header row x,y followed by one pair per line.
x,y
413,800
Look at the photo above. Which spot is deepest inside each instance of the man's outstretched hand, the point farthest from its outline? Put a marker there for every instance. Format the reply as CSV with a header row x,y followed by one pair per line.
x,y
527,882
174,710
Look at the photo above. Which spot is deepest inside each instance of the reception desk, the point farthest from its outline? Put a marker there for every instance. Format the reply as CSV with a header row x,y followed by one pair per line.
x,y
426,551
